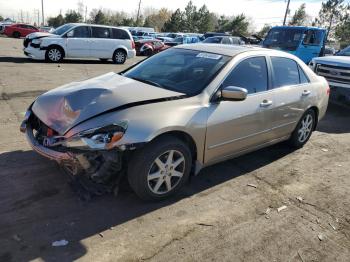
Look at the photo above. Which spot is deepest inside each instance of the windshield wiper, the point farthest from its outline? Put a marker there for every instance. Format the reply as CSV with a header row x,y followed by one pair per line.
x,y
147,82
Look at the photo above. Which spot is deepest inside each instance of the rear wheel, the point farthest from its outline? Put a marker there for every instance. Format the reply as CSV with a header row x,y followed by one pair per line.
x,y
304,129
54,55
119,56
16,34
160,169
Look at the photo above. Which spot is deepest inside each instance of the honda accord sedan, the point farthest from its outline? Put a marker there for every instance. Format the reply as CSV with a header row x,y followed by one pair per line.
x,y
181,110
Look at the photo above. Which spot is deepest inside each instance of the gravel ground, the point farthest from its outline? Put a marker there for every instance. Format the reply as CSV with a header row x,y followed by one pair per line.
x,y
217,217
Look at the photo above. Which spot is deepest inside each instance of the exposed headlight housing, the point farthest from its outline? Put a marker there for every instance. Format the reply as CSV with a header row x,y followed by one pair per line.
x,y
101,138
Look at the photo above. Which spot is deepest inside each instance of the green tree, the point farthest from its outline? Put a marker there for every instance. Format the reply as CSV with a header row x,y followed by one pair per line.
x,y
73,17
98,17
299,17
263,31
205,20
56,21
175,23
236,25
331,14
1,18
190,17
342,32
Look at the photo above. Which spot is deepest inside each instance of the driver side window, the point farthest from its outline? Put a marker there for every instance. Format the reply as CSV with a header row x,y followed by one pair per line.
x,y
250,74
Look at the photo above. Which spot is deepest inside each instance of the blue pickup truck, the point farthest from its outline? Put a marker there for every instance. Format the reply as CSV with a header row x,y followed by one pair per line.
x,y
303,42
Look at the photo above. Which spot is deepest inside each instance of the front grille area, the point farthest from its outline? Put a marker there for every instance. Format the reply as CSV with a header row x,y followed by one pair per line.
x,y
334,73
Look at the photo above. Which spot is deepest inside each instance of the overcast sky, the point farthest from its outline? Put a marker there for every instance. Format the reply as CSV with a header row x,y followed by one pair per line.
x,y
261,11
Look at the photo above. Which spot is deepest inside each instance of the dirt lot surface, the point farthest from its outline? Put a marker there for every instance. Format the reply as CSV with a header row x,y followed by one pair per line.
x,y
217,217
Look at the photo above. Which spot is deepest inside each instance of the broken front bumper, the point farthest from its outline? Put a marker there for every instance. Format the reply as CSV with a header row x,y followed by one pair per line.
x,y
44,151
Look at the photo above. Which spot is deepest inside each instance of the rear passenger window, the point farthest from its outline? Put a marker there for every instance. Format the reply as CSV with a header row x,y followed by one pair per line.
x,y
285,71
303,78
100,32
250,74
119,34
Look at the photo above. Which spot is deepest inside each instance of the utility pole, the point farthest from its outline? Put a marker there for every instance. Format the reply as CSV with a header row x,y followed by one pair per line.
x,y
85,13
287,10
42,12
138,14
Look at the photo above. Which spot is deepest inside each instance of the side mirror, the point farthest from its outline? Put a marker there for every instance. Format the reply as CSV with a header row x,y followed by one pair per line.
x,y
233,93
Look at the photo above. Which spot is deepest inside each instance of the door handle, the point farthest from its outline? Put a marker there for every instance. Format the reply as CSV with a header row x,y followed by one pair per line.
x,y
266,103
306,93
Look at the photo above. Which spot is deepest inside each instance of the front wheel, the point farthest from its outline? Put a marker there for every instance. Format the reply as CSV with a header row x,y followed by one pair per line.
x,y
119,57
304,129
54,55
160,169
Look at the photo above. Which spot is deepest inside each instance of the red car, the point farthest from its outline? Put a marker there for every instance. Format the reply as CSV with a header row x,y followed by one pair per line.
x,y
19,30
148,47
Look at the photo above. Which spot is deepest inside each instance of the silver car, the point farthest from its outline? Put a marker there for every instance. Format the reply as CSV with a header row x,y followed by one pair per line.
x,y
179,111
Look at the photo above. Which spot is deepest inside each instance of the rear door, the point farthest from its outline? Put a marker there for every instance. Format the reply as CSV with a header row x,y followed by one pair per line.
x,y
233,127
291,90
78,42
102,45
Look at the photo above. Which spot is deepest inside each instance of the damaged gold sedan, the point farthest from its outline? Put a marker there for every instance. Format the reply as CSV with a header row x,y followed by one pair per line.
x,y
171,115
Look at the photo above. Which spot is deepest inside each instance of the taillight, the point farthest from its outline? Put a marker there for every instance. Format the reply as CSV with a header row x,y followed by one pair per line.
x,y
328,90
132,44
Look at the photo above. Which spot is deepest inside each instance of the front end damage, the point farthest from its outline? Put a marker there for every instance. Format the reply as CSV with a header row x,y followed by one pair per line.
x,y
94,165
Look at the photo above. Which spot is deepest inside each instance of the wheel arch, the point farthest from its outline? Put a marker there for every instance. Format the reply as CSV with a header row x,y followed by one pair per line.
x,y
185,137
120,48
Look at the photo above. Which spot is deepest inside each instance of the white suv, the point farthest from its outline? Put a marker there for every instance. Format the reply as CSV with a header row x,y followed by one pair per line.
x,y
81,41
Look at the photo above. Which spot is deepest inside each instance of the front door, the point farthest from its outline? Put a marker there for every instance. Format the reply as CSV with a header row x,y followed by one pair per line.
x,y
233,127
78,42
312,45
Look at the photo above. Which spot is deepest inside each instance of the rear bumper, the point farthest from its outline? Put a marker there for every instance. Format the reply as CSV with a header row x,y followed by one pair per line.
x,y
131,53
34,53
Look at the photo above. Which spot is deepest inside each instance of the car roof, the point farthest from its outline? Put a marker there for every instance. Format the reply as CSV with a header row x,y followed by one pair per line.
x,y
299,27
228,50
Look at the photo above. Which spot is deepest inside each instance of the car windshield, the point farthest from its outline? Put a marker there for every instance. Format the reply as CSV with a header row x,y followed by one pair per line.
x,y
344,52
213,40
181,70
62,29
287,39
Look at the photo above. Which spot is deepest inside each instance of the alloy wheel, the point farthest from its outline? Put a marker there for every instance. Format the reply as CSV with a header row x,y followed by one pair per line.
x,y
305,128
54,55
120,57
166,172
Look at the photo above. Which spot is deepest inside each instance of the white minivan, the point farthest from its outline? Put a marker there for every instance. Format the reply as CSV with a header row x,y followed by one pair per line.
x,y
81,41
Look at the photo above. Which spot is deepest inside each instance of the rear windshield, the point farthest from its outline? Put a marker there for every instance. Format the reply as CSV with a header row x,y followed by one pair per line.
x,y
213,40
181,70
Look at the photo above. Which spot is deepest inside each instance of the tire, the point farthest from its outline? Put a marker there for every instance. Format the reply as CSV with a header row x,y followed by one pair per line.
x,y
148,180
148,52
103,59
119,57
16,34
304,129
54,54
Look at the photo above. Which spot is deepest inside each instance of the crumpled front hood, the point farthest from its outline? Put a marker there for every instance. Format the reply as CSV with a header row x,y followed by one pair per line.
x,y
39,35
334,60
66,106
